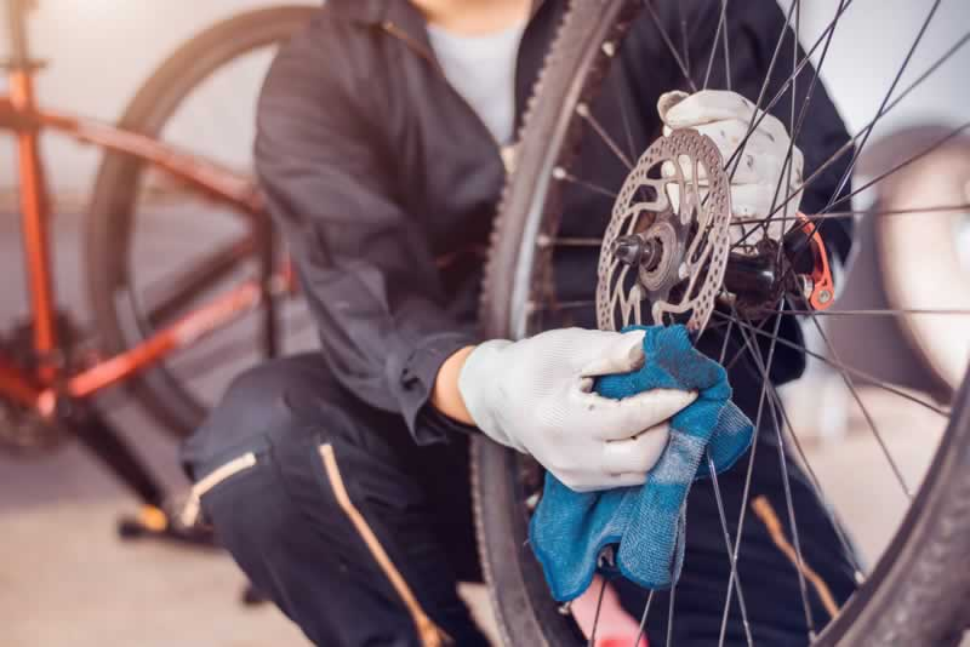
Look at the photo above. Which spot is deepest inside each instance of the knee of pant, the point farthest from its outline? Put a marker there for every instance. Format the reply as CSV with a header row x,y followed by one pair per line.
x,y
268,398
282,399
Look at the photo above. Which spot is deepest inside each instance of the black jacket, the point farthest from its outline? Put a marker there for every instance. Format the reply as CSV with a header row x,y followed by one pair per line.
x,y
380,174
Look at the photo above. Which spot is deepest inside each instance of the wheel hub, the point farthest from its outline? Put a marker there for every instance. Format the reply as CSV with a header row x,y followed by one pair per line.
x,y
666,247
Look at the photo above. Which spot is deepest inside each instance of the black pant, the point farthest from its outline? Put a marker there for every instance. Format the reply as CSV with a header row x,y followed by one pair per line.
x,y
360,536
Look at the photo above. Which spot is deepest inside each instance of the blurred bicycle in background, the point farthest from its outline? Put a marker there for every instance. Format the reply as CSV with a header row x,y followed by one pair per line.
x,y
216,296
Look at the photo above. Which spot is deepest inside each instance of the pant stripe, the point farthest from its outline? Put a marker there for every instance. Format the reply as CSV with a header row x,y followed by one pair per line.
x,y
766,513
192,507
429,633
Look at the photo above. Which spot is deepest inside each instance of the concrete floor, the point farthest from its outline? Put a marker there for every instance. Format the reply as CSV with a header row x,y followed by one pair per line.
x,y
66,580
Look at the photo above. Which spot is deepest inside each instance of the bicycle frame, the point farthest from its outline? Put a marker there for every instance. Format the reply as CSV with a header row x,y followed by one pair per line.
x,y
20,114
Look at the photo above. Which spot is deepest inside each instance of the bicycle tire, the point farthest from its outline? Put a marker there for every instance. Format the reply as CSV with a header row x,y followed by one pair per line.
x,y
918,594
109,218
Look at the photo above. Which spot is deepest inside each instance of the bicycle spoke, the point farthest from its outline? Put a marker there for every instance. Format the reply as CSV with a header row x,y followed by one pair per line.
x,y
849,145
914,158
870,379
670,613
786,481
865,412
896,312
682,21
584,111
817,485
803,247
623,116
946,210
670,45
727,58
560,173
560,305
826,36
792,519
746,492
566,241
795,129
194,281
738,153
883,109
721,27
847,175
643,619
727,544
596,617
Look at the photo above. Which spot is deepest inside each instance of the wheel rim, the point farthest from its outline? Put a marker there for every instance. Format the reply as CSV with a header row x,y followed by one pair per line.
x,y
525,311
226,247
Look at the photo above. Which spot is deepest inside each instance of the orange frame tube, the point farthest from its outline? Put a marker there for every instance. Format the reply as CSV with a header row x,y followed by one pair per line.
x,y
35,217
19,113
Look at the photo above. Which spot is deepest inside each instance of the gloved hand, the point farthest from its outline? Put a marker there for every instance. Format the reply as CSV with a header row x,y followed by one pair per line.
x,y
724,117
536,396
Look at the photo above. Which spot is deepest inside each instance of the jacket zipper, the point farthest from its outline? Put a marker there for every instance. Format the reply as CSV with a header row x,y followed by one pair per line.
x,y
506,153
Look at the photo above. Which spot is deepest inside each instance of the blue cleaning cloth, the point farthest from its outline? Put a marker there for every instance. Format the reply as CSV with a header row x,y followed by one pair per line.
x,y
644,525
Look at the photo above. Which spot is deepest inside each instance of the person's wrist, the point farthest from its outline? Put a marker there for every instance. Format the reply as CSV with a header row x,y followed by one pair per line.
x,y
446,396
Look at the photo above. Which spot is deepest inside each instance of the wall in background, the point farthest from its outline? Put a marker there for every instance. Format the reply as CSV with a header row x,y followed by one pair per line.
x,y
870,45
100,51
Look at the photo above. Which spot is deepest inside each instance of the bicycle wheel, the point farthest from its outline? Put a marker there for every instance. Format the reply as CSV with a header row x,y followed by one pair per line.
x,y
917,592
156,249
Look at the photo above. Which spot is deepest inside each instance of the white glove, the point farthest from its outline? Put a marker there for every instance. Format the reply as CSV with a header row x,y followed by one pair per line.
x,y
536,396
724,117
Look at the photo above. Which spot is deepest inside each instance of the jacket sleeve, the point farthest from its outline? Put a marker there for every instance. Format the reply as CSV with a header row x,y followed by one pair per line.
x,y
364,263
753,30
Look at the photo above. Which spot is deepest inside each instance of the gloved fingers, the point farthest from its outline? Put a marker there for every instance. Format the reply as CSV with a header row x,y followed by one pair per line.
x,y
637,454
620,353
609,419
761,157
595,482
752,201
761,161
667,101
759,201
708,106
679,110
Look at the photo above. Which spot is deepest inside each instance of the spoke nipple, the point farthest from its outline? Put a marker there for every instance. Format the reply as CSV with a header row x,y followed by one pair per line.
x,y
582,110
609,48
532,502
543,241
566,608
559,173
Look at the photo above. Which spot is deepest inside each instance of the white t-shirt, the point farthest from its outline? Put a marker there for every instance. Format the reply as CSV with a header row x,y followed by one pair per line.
x,y
482,70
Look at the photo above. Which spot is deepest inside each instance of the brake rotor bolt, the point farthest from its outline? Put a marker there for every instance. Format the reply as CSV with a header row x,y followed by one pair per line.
x,y
824,296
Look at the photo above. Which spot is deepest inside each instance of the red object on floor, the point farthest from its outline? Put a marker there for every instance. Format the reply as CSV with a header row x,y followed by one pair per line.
x,y
617,641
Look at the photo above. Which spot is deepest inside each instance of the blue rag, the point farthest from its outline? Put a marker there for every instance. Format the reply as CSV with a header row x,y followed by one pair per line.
x,y
644,525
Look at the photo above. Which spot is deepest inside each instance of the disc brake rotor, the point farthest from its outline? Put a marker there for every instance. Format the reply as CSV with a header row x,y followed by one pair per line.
x,y
666,247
